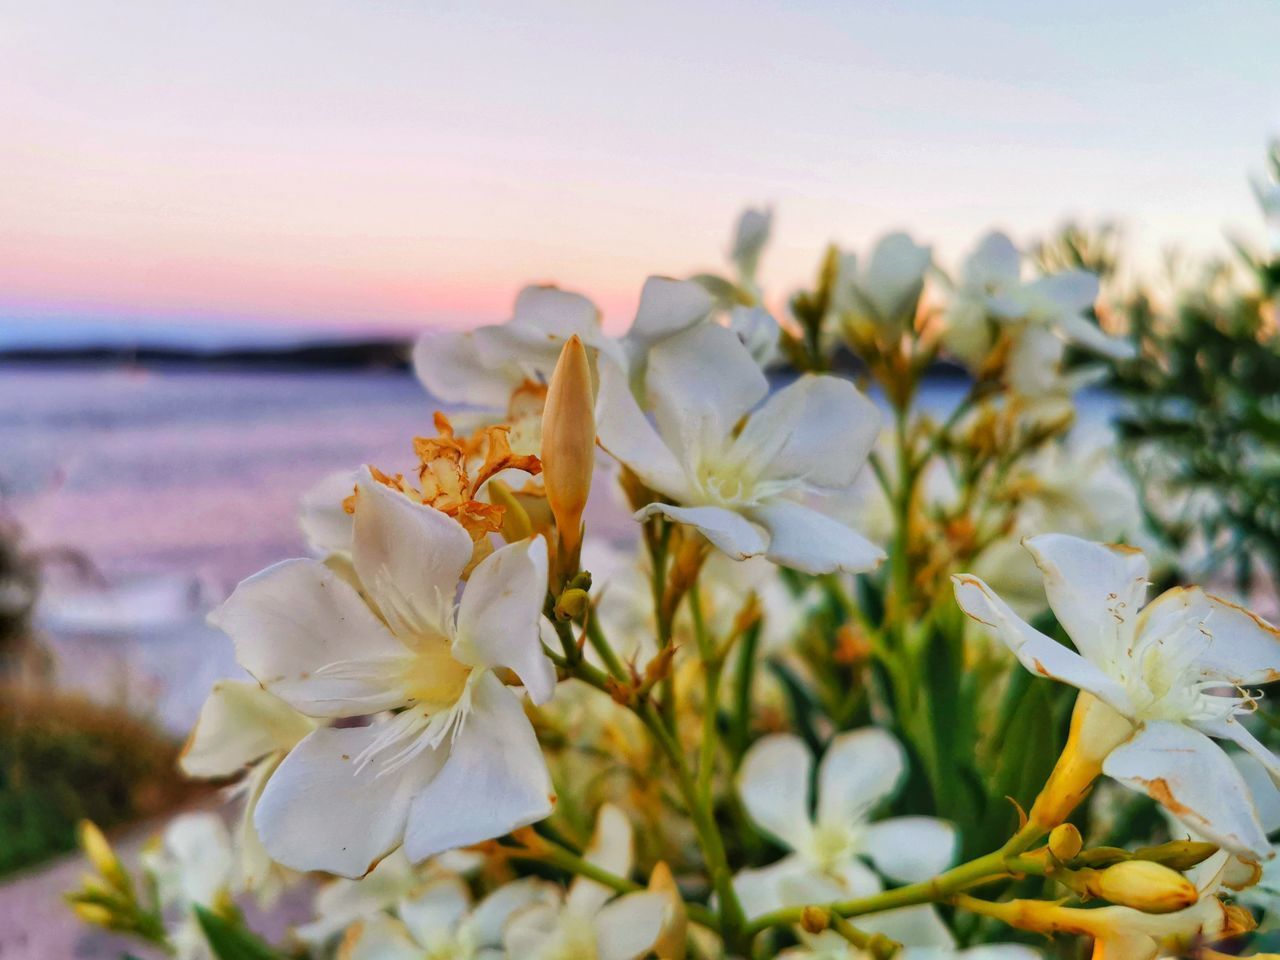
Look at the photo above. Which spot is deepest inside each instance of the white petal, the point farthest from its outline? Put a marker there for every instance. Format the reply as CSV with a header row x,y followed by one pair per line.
x,y
494,781
499,616
1233,729
1000,951
529,930
556,311
920,927
436,912
239,723
811,542
1069,293
667,307
1085,333
323,519
319,812
628,927
1034,361
1039,654
727,530
294,619
845,881
911,849
625,432
774,784
860,769
996,262
379,937
1095,591
759,889
492,913
1243,648
894,276
1194,780
820,429
450,367
700,383
408,556
611,849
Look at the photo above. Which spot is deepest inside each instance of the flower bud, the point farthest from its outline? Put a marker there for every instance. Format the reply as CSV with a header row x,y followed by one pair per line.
x,y
1144,885
100,854
814,919
568,445
672,942
1065,842
516,525
572,605
94,914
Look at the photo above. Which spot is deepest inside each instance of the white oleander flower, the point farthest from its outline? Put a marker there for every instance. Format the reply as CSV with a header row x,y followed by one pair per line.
x,y
733,469
591,921
441,923
750,236
193,866
833,841
460,762
919,929
881,295
1166,678
1042,315
243,727
325,524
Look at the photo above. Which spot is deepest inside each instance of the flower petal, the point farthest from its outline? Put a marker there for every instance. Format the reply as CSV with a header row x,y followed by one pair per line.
x,y
696,411
408,556
819,429
1085,333
1232,729
628,927
860,769
1095,590
624,431
1243,649
911,849
449,365
997,951
1034,360
491,914
323,519
804,539
239,723
499,616
322,811
379,937
437,910
1192,777
774,784
759,889
920,927
727,530
1039,654
494,781
611,849
667,307
292,620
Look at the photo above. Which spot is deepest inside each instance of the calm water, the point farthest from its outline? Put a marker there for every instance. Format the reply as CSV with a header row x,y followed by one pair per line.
x,y
171,486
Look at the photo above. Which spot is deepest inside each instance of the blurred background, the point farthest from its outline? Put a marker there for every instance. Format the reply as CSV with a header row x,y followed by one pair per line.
x,y
222,224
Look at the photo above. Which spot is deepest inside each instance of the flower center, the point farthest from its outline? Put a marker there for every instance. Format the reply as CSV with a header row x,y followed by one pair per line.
x,y
832,844
1164,682
574,939
433,678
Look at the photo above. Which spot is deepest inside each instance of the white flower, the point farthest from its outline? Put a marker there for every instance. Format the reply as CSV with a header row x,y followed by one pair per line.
x,y
441,924
812,436
1166,678
591,922
460,763
919,929
882,294
483,367
758,331
829,842
324,522
1041,314
193,866
242,726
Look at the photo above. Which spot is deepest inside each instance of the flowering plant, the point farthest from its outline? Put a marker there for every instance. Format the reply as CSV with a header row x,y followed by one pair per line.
x,y
786,712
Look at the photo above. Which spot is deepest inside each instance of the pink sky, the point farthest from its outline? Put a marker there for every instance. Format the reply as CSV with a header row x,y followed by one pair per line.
x,y
405,163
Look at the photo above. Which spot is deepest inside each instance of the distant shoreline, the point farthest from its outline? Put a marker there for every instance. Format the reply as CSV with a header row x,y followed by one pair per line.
x,y
332,355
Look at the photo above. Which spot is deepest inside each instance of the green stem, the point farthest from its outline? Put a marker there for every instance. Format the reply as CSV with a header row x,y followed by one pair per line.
x,y
600,643
992,866
740,721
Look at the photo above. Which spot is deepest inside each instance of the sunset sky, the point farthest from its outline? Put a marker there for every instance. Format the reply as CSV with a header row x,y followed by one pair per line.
x,y
400,164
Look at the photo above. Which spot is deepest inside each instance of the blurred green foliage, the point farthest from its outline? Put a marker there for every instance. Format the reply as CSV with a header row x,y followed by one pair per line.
x,y
63,759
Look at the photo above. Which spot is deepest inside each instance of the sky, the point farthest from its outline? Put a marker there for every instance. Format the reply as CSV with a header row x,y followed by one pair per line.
x,y
397,165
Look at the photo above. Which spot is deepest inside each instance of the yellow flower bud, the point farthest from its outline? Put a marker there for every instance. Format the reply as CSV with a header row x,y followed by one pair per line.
x,y
1065,842
1144,885
572,604
93,913
814,919
1178,854
101,855
568,446
516,525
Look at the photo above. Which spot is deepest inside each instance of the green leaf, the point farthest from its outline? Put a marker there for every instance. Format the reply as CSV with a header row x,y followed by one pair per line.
x,y
230,941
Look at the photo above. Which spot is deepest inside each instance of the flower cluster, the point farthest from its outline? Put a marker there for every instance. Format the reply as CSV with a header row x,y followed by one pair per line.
x,y
754,721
